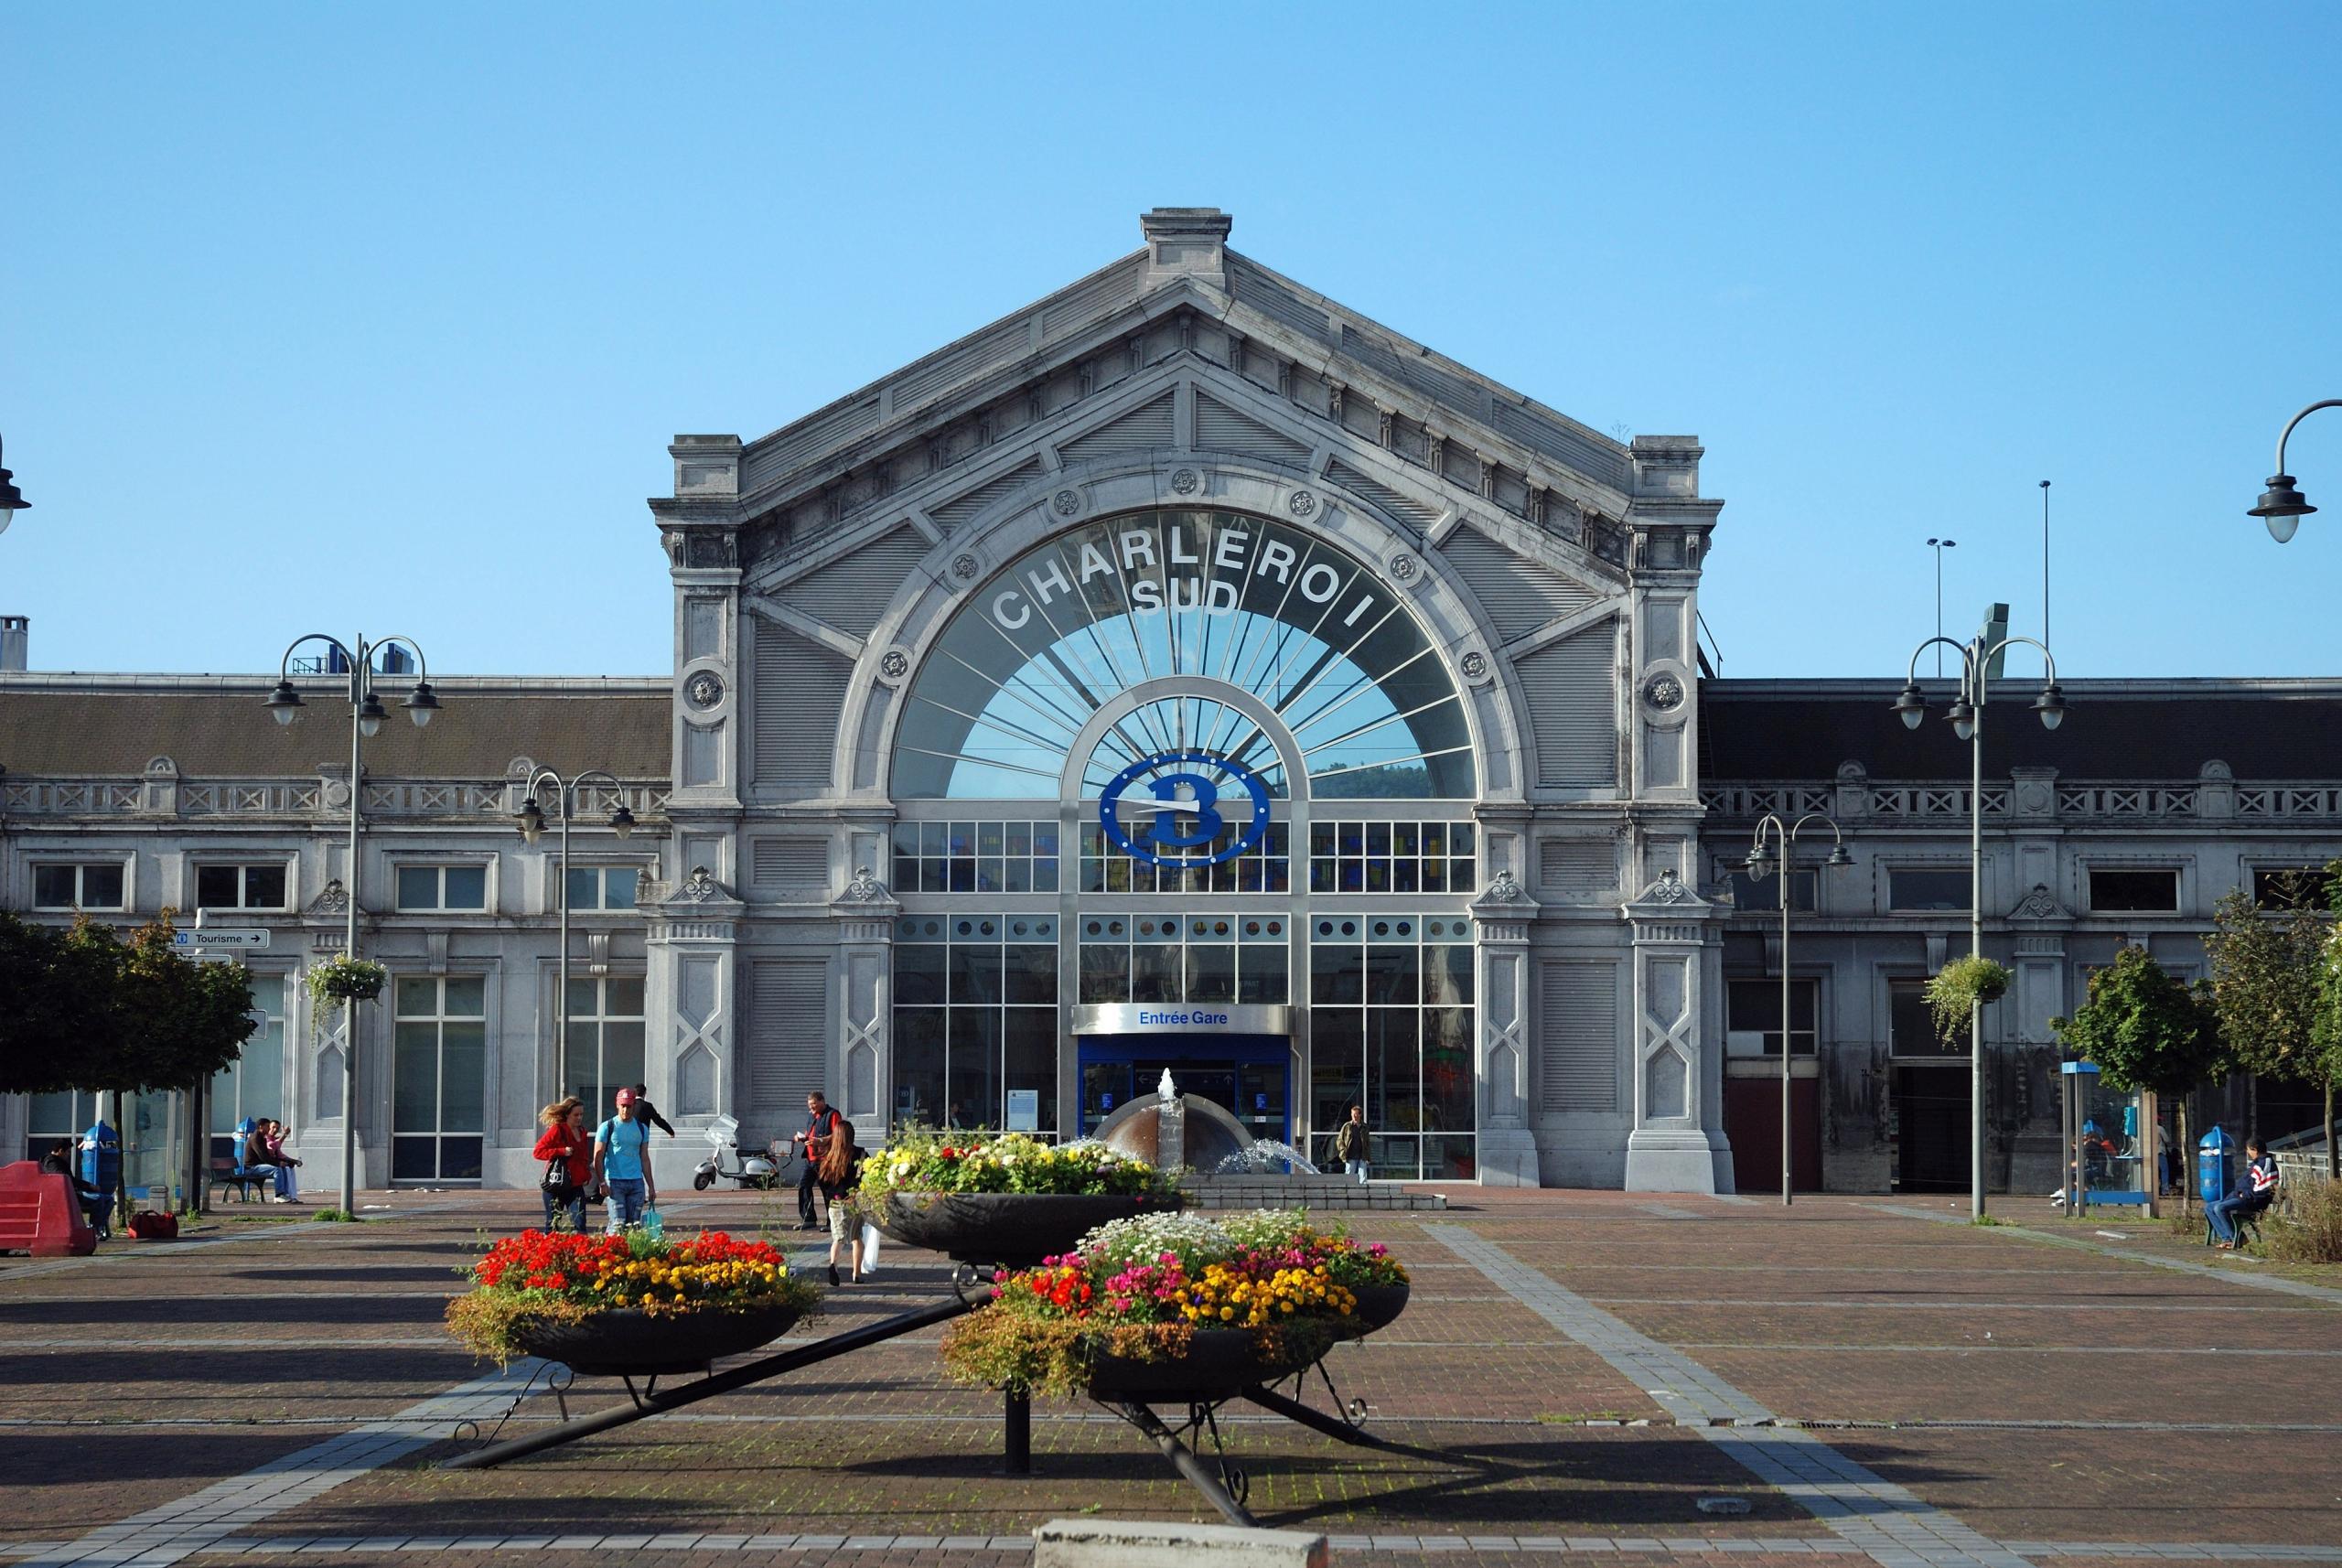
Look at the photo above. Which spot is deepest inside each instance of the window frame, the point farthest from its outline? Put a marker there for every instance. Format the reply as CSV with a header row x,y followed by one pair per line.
x,y
1890,868
244,865
79,866
2091,871
600,870
441,866
1800,986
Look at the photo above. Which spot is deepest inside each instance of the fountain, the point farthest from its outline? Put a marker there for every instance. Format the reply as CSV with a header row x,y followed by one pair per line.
x,y
1229,1167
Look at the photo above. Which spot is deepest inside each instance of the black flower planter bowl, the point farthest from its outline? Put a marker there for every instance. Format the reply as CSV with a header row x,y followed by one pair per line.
x,y
1220,1364
1378,1306
629,1342
1014,1230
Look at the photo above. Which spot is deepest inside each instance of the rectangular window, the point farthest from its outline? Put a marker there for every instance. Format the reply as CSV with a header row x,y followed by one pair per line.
x,y
2292,887
1753,1016
450,887
977,1016
84,885
243,886
1911,1025
1266,868
603,888
1926,889
1394,857
438,1078
2153,892
604,1049
976,857
254,1085
1762,893
1391,1028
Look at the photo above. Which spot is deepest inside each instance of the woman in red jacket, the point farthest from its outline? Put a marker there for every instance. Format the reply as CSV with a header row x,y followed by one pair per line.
x,y
567,1150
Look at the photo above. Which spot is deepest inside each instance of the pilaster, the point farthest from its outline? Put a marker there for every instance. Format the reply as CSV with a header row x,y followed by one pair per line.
x,y
1678,1143
690,995
864,914
1507,1147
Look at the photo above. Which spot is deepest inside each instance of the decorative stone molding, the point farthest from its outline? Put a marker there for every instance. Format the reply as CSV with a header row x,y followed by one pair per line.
x,y
1185,481
1301,503
2039,905
864,888
332,899
1066,503
1475,667
699,887
894,664
705,689
1664,692
966,567
1402,567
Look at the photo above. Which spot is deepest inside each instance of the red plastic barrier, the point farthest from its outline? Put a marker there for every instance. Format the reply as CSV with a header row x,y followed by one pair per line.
x,y
38,1214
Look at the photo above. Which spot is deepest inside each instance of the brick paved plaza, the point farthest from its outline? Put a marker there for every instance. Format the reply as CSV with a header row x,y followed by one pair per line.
x,y
1577,1372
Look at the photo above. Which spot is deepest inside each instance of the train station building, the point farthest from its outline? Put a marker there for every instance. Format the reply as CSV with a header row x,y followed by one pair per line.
x,y
1182,672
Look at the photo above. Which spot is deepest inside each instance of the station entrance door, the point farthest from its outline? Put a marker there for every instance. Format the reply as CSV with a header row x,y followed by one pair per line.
x,y
1220,1054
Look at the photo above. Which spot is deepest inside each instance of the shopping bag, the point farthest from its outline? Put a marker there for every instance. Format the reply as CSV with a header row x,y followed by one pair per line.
x,y
651,1225
869,1248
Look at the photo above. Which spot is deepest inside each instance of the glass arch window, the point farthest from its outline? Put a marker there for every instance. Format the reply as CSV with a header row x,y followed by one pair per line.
x,y
1221,598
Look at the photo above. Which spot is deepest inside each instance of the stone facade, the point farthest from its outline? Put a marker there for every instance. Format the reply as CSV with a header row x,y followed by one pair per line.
x,y
863,865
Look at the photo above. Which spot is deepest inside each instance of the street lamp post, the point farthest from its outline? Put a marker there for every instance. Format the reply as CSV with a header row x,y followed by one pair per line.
x,y
366,716
1784,837
12,500
532,820
1967,716
1940,546
2282,507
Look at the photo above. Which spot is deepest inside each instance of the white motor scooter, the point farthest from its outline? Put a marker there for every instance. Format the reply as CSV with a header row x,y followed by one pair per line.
x,y
760,1171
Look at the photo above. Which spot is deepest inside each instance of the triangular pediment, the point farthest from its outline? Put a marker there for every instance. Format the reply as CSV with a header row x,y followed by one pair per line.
x,y
1282,374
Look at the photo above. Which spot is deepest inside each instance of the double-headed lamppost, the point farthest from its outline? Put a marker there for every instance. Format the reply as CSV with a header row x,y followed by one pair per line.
x,y
1783,838
2281,506
1967,716
366,716
532,818
12,500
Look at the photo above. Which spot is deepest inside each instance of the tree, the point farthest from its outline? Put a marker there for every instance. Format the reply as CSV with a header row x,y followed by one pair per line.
x,y
2272,984
56,987
80,1009
2145,1030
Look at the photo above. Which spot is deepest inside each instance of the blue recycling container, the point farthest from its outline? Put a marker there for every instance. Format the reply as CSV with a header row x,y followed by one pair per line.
x,y
101,1157
2213,1167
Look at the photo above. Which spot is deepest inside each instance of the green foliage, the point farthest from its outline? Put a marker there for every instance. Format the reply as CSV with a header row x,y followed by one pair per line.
x,y
2266,971
2309,1230
1966,981
334,1217
2144,1029
342,978
82,1009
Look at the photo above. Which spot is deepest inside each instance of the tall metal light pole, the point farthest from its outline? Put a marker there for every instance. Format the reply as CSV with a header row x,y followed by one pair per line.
x,y
366,716
1967,715
1940,546
1784,837
531,819
2044,562
2282,507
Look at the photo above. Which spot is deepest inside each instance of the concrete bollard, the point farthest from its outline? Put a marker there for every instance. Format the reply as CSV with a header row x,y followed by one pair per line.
x,y
1145,1543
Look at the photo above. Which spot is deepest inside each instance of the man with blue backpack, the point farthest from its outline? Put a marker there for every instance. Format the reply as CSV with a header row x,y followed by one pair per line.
x,y
622,1164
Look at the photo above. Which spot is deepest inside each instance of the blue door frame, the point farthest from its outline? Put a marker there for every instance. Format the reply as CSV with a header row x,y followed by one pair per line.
x,y
1252,1075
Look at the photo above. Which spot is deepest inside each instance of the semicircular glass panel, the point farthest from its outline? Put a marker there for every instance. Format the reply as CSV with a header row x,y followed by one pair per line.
x,y
1221,598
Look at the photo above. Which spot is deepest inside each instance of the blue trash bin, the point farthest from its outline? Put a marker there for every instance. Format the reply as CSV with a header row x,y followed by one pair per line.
x,y
101,1157
2214,1169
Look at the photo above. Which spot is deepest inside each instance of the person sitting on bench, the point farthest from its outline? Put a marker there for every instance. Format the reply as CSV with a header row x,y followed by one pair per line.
x,y
2255,1190
97,1203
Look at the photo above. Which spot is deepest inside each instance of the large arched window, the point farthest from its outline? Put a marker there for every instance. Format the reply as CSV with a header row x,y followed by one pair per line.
x,y
1225,620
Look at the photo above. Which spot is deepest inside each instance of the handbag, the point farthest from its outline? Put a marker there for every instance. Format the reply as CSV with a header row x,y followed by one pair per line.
x,y
556,1177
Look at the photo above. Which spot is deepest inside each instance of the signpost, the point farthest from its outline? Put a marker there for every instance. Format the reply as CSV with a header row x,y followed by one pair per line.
x,y
218,939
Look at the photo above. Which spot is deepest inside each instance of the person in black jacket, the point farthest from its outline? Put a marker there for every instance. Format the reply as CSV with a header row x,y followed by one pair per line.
x,y
821,1123
648,1113
96,1203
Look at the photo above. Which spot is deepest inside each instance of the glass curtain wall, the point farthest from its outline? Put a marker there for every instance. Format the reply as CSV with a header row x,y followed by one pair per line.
x,y
438,1061
1390,1028
604,1051
975,1015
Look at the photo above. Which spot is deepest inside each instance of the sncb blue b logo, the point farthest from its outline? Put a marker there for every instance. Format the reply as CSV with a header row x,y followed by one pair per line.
x,y
1190,785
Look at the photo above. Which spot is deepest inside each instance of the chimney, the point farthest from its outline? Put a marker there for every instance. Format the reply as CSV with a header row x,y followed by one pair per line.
x,y
16,638
1186,241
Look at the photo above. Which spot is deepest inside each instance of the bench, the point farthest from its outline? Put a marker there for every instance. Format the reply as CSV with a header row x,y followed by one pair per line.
x,y
2248,1224
226,1173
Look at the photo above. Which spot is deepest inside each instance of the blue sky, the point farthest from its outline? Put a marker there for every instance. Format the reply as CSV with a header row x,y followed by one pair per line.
x,y
360,318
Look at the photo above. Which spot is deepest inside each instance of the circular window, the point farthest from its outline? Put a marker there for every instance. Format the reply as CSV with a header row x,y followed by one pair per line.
x,y
1092,929
1349,928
